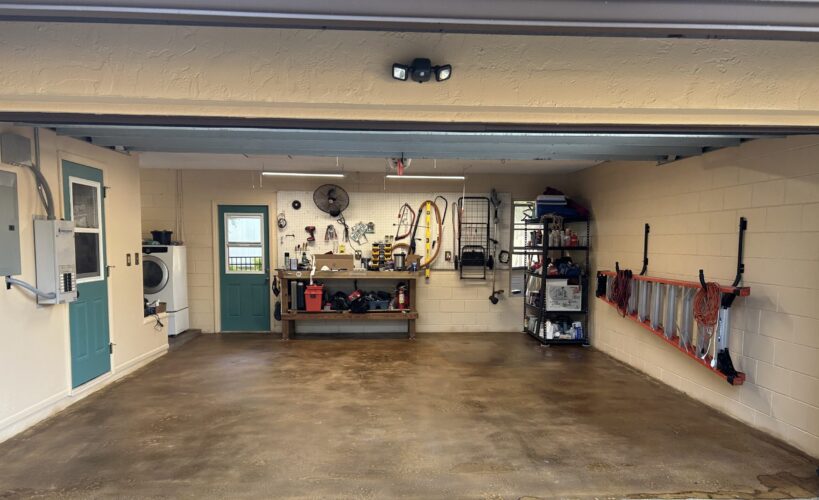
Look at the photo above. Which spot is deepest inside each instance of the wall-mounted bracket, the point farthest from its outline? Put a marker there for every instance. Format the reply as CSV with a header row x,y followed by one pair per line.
x,y
645,250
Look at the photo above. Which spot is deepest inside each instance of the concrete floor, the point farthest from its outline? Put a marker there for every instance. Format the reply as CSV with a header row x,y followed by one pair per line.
x,y
446,416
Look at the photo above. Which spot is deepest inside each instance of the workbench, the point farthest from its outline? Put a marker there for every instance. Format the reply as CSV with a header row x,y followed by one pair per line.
x,y
290,316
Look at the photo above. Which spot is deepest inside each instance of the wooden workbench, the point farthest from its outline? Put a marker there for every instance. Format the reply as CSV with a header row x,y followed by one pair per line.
x,y
290,316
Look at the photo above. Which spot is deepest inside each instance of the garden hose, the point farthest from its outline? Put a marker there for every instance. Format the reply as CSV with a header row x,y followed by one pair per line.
x,y
437,247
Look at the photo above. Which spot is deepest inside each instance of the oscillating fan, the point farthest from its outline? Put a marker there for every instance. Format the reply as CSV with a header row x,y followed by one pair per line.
x,y
331,199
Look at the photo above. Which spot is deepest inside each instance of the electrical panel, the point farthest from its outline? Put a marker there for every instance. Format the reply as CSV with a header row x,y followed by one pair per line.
x,y
9,225
56,263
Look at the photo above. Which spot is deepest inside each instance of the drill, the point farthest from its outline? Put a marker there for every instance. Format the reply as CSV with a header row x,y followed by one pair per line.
x,y
311,230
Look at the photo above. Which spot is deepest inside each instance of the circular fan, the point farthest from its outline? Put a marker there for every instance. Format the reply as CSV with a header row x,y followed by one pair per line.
x,y
331,199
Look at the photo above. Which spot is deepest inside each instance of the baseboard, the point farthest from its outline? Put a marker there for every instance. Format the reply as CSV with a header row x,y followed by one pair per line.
x,y
139,361
24,419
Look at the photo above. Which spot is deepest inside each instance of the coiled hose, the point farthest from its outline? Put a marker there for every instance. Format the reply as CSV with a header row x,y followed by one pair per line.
x,y
410,247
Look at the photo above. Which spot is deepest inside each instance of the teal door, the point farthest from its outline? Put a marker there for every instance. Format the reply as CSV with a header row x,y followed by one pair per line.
x,y
244,268
88,315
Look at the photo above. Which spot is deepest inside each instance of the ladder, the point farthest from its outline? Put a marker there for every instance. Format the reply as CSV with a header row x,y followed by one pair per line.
x,y
665,307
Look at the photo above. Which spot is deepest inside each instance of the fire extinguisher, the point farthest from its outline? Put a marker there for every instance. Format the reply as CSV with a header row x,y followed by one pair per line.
x,y
403,300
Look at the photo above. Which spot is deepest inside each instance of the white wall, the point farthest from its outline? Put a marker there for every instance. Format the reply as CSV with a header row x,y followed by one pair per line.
x,y
446,303
35,379
693,207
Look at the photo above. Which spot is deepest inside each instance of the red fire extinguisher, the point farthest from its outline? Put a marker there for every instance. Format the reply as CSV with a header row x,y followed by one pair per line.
x,y
403,300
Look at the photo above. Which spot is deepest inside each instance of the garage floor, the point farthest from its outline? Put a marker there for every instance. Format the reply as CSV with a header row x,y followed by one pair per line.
x,y
449,415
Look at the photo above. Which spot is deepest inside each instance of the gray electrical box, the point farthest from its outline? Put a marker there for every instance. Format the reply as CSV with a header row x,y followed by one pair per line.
x,y
15,149
56,263
9,225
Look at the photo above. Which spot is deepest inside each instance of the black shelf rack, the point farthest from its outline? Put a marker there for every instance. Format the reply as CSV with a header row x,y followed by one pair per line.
x,y
535,308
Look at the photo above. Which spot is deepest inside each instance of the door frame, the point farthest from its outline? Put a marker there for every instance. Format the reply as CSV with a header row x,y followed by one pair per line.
x,y
66,156
269,201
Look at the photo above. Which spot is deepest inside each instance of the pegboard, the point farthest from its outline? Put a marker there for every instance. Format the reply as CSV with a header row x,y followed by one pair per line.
x,y
381,209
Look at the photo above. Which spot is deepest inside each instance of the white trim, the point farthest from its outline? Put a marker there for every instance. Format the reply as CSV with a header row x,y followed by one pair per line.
x,y
100,223
141,360
24,419
249,215
92,384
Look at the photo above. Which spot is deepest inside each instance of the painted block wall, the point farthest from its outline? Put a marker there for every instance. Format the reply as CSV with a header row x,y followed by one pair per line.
x,y
446,303
35,379
693,207
211,71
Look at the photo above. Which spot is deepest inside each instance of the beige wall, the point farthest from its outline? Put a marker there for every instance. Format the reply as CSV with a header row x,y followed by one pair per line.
x,y
693,207
446,303
35,377
172,70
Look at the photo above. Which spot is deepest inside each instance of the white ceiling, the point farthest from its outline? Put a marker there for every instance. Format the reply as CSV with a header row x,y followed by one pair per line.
x,y
285,163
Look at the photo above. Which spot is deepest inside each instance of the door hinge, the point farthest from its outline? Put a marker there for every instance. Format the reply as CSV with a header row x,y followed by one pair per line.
x,y
105,191
110,348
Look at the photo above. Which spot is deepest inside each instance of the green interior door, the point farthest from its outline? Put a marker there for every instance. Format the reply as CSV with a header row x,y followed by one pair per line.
x,y
88,315
244,268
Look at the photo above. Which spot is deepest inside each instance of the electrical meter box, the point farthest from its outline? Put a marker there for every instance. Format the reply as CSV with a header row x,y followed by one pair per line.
x,y
9,225
56,263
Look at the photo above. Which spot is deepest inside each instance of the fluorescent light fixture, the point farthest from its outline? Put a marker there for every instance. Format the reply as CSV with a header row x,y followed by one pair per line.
x,y
301,174
429,177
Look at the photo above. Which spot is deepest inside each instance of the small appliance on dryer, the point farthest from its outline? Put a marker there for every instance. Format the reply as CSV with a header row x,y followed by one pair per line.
x,y
165,278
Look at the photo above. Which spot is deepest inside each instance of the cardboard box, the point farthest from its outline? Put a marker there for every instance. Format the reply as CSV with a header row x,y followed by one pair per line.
x,y
560,296
335,262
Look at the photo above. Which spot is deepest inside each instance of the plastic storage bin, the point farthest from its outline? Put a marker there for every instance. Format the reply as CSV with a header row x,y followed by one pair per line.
x,y
313,296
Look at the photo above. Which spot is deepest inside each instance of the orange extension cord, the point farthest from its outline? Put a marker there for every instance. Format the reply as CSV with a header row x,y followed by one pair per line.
x,y
706,306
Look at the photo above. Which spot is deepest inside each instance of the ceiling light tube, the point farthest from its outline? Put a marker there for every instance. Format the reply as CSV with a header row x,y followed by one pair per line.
x,y
301,174
429,177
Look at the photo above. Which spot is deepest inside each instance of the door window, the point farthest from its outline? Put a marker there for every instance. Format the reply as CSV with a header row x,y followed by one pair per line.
x,y
86,208
244,243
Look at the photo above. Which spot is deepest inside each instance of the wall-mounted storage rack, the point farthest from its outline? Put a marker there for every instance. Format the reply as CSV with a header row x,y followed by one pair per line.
x,y
649,318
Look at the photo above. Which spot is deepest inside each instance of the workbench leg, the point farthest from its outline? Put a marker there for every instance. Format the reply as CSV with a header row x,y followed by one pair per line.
x,y
287,326
411,328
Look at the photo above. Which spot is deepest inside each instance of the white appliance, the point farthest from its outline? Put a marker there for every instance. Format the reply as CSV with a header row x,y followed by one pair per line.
x,y
165,278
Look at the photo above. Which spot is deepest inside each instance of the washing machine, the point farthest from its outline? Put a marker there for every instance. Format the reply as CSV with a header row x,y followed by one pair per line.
x,y
165,278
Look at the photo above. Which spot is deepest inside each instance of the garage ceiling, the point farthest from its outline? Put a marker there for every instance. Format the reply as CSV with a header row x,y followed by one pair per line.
x,y
284,163
426,144
756,19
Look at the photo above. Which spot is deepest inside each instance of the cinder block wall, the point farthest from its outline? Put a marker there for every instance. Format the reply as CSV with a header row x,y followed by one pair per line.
x,y
445,303
693,207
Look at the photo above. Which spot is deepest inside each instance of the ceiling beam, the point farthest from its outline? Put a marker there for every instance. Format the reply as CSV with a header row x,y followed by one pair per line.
x,y
742,19
54,120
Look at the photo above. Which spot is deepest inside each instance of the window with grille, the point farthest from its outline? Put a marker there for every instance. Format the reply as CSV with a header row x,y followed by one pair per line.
x,y
244,243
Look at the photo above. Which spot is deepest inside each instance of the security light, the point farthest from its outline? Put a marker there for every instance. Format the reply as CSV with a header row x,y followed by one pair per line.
x,y
421,70
400,72
443,72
